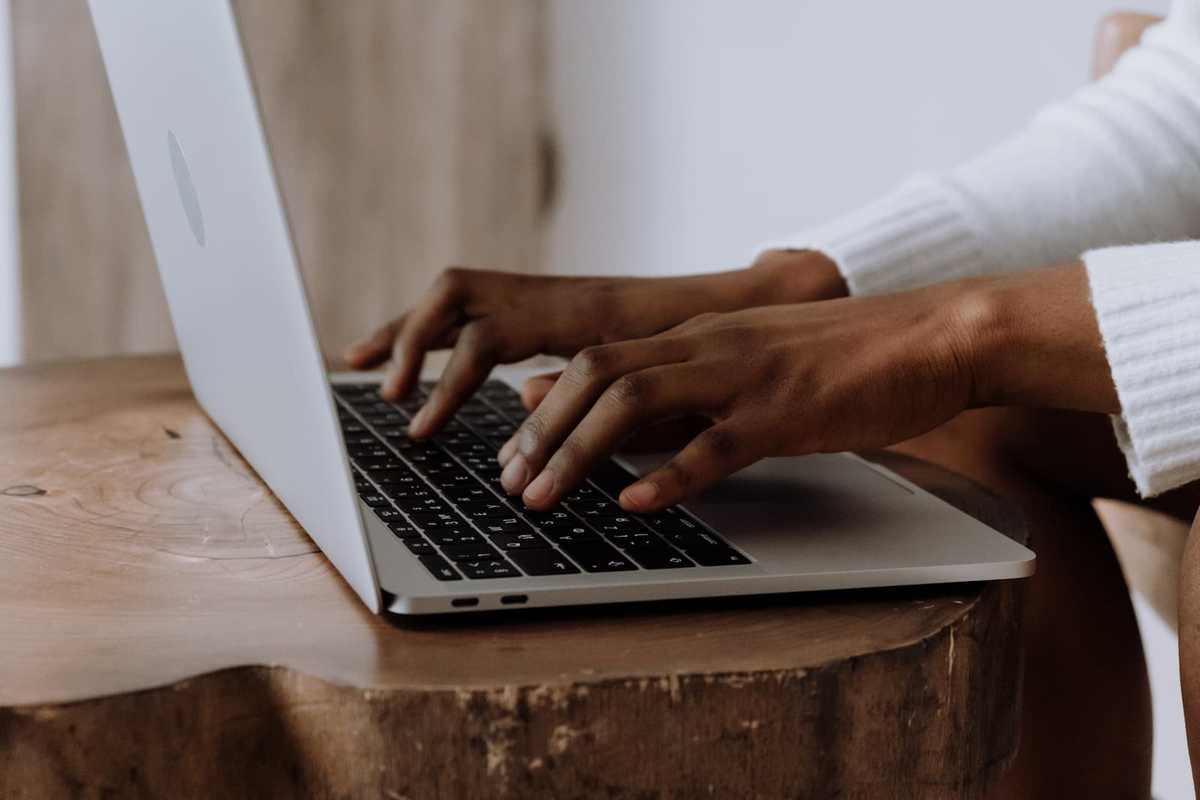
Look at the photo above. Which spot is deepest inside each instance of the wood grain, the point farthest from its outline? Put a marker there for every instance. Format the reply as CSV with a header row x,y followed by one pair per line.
x,y
169,631
407,136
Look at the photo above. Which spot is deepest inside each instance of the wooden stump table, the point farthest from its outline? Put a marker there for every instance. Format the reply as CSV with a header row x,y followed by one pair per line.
x,y
166,630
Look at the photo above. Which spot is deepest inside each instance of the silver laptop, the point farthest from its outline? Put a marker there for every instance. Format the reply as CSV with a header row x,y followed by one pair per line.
x,y
419,528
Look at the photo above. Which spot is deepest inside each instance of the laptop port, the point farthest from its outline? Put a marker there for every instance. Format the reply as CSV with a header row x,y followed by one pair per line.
x,y
514,599
464,602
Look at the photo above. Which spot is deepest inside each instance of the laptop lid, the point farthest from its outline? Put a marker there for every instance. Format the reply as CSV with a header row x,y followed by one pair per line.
x,y
220,235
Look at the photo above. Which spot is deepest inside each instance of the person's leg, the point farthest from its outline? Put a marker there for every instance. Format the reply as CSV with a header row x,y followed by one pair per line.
x,y
1189,644
1087,728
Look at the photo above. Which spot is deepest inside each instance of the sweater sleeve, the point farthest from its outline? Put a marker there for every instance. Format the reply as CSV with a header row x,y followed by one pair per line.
x,y
1115,166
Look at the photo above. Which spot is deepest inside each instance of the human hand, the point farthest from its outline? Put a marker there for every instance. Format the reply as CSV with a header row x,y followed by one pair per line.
x,y
821,377
490,318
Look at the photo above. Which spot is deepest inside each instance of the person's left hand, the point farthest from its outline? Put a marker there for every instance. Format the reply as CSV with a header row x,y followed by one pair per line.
x,y
779,380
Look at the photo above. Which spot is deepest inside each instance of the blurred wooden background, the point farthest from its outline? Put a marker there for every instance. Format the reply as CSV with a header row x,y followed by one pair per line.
x,y
407,134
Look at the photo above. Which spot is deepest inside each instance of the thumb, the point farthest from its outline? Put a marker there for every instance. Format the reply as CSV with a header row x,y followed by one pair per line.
x,y
536,388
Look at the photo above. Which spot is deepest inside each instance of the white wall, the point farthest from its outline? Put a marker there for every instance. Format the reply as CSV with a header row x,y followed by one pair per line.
x,y
10,318
693,129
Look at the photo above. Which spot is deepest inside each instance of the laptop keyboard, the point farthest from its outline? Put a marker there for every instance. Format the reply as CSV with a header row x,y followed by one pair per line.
x,y
443,499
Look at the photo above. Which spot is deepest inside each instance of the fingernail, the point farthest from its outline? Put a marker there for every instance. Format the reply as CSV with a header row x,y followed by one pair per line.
x,y
640,495
507,451
515,475
540,489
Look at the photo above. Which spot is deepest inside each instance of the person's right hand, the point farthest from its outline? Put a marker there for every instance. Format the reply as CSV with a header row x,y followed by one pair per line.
x,y
491,318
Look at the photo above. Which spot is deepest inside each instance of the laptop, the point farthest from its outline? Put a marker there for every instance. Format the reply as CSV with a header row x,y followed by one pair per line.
x,y
423,527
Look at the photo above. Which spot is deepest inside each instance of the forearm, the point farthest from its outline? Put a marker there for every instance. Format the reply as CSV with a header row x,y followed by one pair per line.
x,y
775,278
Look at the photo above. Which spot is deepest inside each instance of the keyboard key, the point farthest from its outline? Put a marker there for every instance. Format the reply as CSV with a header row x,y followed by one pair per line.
x,y
381,464
689,540
596,508
388,418
598,557
360,440
660,558
576,534
470,552
482,510
643,540
583,492
437,519
419,547
403,530
411,494
374,500
633,539
506,525
389,514
543,562
440,568
552,520
449,537
358,452
470,494
433,505
611,478
395,477
488,569
449,480
671,523
610,527
347,390
717,556
519,541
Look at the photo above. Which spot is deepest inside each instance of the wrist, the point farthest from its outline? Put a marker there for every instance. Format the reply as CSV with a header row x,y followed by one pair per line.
x,y
794,276
1032,339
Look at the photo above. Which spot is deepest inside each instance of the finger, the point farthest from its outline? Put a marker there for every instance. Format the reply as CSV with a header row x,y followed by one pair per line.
x,y
536,388
473,357
373,350
533,392
716,453
631,401
582,382
425,325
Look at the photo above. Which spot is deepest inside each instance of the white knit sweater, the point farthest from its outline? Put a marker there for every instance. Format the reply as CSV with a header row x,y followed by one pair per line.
x,y
1115,167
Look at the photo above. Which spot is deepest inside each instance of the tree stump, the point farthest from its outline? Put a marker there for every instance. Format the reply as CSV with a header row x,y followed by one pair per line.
x,y
168,631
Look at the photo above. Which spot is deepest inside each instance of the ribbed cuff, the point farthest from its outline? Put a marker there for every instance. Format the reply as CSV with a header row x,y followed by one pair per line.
x,y
1147,301
912,237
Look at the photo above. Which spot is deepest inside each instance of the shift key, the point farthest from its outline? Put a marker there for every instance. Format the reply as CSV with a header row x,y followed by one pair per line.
x,y
598,557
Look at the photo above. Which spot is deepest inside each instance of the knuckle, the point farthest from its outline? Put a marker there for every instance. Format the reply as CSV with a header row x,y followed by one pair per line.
x,y
632,390
531,433
592,362
480,335
571,453
677,474
453,280
720,444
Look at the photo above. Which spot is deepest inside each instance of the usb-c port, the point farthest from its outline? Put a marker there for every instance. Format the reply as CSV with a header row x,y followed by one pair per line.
x,y
464,602
514,599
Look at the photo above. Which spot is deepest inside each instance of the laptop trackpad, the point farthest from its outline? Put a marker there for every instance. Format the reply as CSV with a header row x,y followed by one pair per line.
x,y
822,511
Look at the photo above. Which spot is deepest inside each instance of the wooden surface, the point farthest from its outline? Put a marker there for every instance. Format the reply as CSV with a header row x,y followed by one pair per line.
x,y
407,136
168,631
